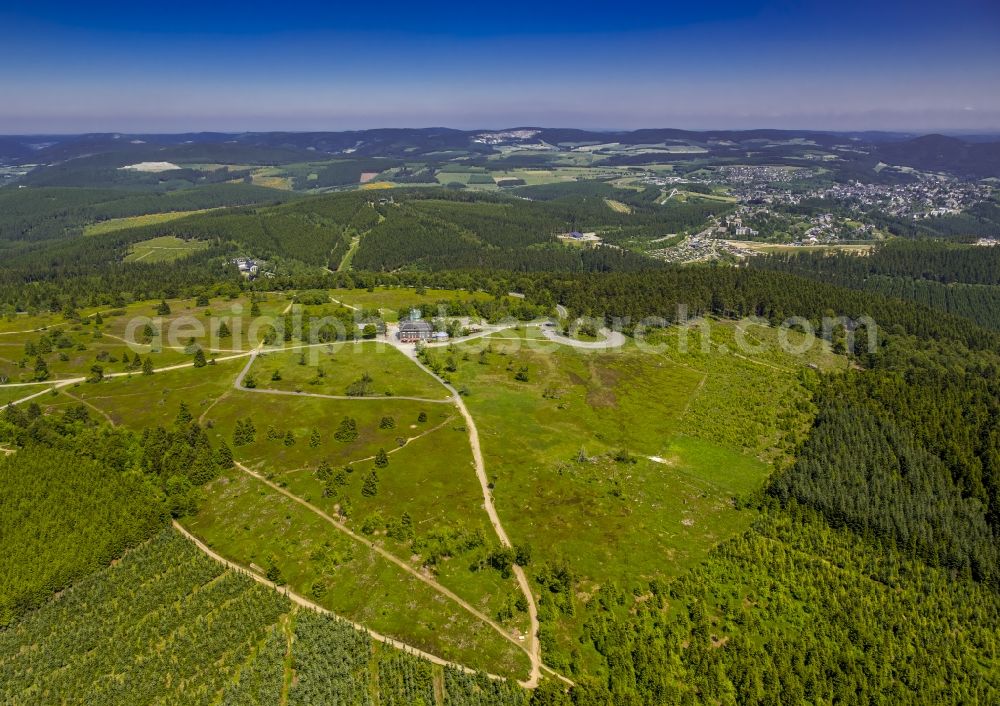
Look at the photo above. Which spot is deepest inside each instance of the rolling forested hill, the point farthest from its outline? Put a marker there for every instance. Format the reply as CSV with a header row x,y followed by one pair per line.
x,y
849,557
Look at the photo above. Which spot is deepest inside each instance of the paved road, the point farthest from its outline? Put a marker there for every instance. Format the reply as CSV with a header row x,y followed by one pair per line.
x,y
612,339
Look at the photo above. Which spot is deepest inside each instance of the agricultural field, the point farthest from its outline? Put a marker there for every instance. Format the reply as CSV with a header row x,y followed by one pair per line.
x,y
166,248
112,224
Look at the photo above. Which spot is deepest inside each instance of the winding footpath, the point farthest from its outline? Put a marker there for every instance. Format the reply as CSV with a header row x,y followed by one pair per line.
x,y
306,603
534,647
386,554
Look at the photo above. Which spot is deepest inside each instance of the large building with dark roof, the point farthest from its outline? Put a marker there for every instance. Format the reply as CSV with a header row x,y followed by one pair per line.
x,y
413,331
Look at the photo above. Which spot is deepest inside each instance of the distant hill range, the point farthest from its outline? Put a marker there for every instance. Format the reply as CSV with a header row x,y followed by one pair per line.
x,y
971,156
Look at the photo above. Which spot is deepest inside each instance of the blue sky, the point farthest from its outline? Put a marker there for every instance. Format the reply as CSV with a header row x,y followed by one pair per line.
x,y
182,66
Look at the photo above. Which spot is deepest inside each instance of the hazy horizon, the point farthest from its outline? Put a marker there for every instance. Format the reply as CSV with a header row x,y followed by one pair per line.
x,y
903,67
984,132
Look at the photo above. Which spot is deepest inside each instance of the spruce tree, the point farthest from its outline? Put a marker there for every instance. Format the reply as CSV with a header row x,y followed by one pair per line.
x,y
224,455
183,415
370,487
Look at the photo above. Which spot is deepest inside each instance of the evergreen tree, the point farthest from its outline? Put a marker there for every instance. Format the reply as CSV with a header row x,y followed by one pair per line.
x,y
147,366
224,455
324,471
347,431
199,359
381,459
183,417
41,369
370,487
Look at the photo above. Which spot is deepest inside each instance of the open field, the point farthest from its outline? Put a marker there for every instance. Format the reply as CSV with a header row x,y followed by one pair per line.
x,y
140,401
300,415
763,248
71,347
10,394
390,300
626,463
166,248
363,369
247,521
187,320
113,224
433,482
620,465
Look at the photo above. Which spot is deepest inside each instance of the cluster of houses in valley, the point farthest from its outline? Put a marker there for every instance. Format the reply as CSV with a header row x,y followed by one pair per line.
x,y
927,197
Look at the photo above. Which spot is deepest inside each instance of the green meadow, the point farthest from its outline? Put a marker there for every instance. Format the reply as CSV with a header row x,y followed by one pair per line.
x,y
363,369
612,465
112,224
245,520
165,248
390,300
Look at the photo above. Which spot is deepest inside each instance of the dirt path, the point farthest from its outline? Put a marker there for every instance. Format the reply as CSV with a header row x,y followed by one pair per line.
x,y
534,647
92,406
406,442
44,392
349,306
386,554
533,650
306,603
34,330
